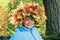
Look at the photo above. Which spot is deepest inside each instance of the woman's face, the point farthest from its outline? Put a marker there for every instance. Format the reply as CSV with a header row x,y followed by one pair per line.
x,y
28,22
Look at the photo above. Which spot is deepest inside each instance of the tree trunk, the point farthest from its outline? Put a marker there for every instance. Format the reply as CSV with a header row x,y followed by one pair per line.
x,y
52,8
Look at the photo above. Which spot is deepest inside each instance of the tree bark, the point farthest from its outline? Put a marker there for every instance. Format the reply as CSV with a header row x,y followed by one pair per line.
x,y
52,8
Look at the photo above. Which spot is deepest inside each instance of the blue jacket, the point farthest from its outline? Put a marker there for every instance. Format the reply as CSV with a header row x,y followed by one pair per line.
x,y
23,33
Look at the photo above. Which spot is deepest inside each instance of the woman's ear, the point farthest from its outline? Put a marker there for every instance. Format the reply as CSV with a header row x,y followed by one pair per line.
x,y
22,23
35,22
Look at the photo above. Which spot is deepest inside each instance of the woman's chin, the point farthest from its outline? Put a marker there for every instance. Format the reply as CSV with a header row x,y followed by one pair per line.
x,y
29,26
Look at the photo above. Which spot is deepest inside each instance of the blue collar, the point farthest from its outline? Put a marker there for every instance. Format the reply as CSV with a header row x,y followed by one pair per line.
x,y
23,28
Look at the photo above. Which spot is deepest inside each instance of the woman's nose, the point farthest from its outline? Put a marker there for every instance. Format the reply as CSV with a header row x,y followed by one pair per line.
x,y
30,22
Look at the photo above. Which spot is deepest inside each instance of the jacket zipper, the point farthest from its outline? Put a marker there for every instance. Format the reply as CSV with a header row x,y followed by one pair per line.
x,y
32,35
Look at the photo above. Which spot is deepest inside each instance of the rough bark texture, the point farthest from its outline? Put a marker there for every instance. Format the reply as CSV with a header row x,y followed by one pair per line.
x,y
52,8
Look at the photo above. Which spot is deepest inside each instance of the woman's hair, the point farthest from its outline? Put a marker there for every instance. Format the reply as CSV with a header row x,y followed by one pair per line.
x,y
30,17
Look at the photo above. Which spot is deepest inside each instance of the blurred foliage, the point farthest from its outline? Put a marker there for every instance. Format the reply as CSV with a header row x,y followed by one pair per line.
x,y
42,28
6,7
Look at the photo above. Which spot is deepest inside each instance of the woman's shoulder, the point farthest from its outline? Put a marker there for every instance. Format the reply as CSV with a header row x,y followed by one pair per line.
x,y
18,32
18,28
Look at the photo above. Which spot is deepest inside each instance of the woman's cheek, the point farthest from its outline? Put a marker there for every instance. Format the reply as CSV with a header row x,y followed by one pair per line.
x,y
26,22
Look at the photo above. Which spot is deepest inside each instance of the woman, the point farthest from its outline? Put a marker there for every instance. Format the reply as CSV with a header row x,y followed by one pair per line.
x,y
27,31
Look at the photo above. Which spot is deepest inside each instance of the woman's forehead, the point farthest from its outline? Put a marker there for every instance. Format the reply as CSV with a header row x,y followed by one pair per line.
x,y
27,18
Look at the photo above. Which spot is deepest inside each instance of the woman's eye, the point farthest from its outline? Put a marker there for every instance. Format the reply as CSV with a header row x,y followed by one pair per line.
x,y
27,19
